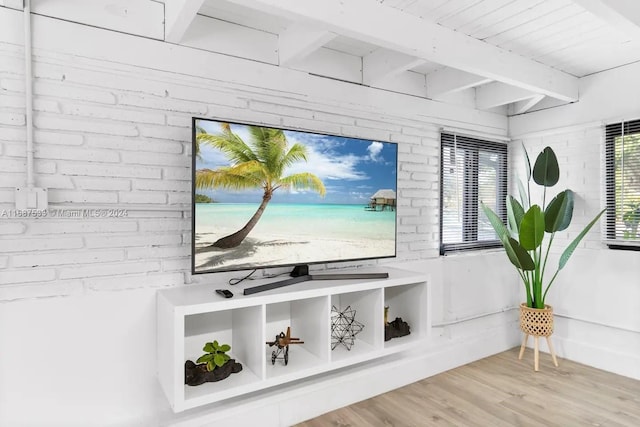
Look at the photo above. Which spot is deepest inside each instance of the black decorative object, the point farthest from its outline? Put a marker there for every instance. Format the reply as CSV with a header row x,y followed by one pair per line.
x,y
198,374
344,327
395,329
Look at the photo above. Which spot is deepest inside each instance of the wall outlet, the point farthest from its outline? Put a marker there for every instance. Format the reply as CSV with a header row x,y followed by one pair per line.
x,y
31,198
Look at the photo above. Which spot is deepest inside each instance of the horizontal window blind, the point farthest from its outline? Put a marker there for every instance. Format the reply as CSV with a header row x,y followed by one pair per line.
x,y
622,147
472,171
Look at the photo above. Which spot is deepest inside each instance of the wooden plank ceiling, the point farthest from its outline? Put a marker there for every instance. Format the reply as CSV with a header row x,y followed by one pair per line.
x,y
509,56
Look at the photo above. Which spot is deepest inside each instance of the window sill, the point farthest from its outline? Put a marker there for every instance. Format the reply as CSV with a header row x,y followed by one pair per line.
x,y
471,251
623,247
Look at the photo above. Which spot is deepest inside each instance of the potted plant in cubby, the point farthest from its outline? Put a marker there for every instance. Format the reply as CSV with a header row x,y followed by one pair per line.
x,y
527,240
214,365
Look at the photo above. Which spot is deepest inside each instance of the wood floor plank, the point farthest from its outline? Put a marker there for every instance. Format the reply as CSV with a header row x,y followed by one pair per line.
x,y
501,391
469,408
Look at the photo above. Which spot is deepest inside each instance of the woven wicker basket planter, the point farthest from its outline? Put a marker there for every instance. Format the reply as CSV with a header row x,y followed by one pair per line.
x,y
536,321
539,323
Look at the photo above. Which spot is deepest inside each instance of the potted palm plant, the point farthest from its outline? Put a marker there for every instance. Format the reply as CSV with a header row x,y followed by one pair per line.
x,y
527,240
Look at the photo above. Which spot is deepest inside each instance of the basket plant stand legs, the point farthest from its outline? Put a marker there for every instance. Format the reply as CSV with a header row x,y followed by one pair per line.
x,y
536,357
538,323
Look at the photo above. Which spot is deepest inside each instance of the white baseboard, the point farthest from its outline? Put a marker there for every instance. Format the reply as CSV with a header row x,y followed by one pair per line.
x,y
597,356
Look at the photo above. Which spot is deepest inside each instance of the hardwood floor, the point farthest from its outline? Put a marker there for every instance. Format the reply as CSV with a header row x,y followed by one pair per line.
x,y
501,391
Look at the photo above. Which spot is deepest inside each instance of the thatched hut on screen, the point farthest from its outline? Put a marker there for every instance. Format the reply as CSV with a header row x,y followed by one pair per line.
x,y
382,200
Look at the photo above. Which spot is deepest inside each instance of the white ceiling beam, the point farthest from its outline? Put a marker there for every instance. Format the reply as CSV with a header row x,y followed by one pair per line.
x,y
450,80
382,64
496,94
393,29
232,39
299,41
254,77
522,107
409,82
179,14
332,63
622,14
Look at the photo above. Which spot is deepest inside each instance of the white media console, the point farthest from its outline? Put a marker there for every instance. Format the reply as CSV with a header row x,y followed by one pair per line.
x,y
190,316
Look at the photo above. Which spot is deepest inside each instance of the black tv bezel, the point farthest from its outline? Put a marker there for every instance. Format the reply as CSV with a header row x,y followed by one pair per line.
x,y
294,129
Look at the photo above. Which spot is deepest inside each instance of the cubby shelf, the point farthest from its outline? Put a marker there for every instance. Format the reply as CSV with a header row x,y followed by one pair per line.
x,y
190,316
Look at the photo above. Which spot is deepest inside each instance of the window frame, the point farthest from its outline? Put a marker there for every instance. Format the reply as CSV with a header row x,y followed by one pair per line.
x,y
612,131
470,205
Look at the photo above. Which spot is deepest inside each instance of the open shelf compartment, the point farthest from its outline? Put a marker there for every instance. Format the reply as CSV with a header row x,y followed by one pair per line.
x,y
367,310
240,328
304,317
408,302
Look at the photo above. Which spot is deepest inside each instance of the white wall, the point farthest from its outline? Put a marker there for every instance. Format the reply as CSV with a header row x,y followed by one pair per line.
x,y
604,96
113,117
596,296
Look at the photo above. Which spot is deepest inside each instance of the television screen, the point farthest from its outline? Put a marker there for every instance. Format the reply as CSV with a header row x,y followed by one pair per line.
x,y
268,197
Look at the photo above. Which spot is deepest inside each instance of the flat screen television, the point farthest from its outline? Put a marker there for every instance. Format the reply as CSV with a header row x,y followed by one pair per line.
x,y
272,197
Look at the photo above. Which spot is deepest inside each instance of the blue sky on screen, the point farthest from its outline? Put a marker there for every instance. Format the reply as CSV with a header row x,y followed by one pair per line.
x,y
352,170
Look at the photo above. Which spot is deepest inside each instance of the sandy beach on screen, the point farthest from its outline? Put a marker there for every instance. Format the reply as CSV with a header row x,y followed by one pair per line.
x,y
269,250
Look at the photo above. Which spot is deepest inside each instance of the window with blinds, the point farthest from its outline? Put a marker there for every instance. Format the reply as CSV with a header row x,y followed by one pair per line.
x,y
622,146
472,171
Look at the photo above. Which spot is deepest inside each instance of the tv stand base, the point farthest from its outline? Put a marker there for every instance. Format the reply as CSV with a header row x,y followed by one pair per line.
x,y
309,277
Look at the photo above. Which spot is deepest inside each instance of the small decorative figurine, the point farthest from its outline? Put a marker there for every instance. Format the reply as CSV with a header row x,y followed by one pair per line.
x,y
395,329
344,327
282,342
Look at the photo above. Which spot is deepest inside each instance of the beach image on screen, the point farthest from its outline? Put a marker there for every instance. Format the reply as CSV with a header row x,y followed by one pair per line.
x,y
268,197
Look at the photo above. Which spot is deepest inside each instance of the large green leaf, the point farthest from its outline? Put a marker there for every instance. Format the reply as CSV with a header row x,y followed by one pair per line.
x,y
524,198
495,222
557,216
546,170
573,245
209,347
225,347
532,228
527,163
515,212
517,254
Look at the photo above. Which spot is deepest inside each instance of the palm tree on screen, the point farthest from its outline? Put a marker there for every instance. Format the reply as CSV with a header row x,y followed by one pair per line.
x,y
255,164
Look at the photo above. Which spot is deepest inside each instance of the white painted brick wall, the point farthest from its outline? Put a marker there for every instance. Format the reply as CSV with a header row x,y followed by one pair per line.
x,y
114,136
136,145
56,288
28,275
13,119
12,228
60,258
151,280
580,161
